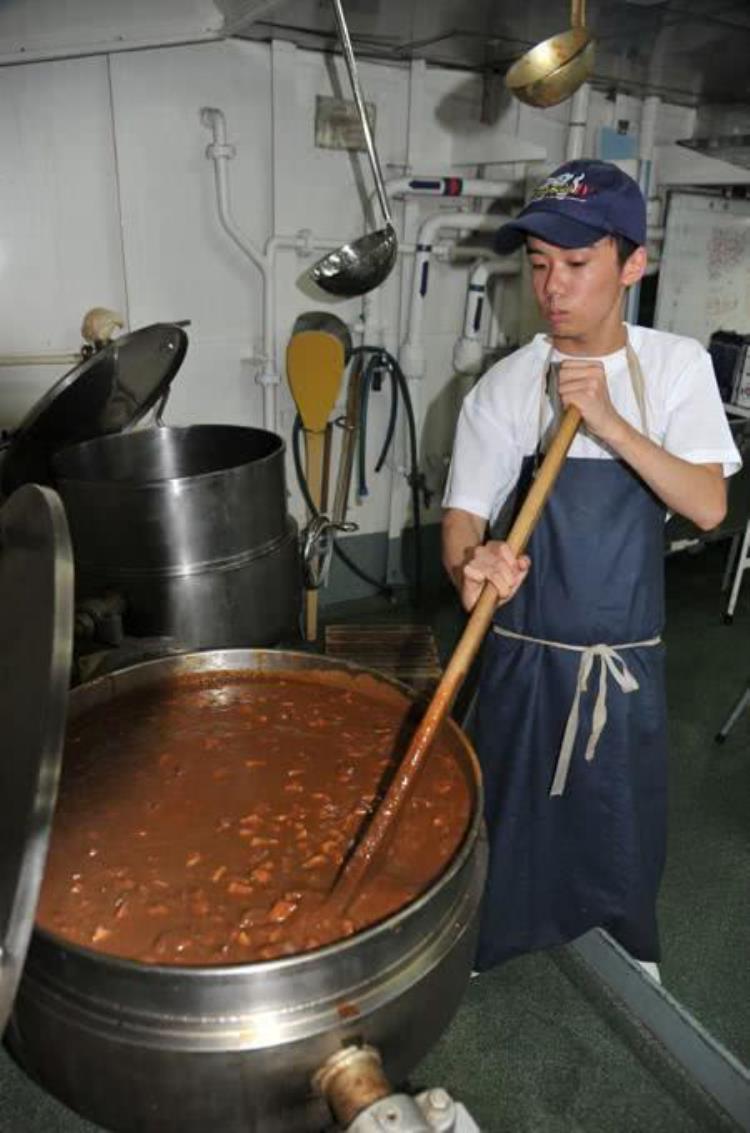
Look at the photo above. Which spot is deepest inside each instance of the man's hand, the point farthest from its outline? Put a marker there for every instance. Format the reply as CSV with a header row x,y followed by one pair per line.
x,y
584,385
496,563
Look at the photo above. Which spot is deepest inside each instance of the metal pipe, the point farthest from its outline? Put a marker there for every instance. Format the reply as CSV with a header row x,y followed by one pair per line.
x,y
352,1080
429,185
412,354
39,359
426,185
221,152
468,352
579,109
649,114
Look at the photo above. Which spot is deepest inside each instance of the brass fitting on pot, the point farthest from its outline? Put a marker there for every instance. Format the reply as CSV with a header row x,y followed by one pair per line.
x,y
351,1080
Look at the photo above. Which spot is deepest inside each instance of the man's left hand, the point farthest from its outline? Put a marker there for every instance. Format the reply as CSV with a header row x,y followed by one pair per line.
x,y
584,385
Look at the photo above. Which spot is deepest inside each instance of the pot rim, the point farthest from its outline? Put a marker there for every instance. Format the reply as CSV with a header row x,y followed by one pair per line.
x,y
217,972
122,438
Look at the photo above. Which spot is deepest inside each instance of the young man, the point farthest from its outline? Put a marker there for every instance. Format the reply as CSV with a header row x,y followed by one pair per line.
x,y
571,717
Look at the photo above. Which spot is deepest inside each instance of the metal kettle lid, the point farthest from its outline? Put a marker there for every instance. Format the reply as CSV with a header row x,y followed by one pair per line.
x,y
36,630
109,391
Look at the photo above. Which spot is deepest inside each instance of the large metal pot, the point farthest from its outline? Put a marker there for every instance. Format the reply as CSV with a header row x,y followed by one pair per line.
x,y
138,1047
191,526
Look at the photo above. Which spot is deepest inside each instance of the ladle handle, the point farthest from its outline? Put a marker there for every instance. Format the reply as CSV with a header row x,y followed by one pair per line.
x,y
351,66
578,13
384,819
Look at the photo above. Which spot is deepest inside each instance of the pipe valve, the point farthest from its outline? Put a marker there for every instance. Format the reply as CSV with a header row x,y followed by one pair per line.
x,y
361,1099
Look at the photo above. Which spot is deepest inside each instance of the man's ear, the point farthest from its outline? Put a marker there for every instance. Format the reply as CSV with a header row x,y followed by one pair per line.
x,y
634,267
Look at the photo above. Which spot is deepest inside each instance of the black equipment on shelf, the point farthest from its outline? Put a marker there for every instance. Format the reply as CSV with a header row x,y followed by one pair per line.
x,y
729,354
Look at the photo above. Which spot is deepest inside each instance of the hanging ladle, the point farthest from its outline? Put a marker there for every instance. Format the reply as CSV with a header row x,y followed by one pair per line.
x,y
358,267
557,67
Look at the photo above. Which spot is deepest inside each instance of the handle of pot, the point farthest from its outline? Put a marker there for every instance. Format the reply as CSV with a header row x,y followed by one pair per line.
x,y
351,66
161,405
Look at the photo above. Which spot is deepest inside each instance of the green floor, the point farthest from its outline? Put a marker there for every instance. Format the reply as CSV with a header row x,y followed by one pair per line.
x,y
534,1049
538,1046
705,902
527,1051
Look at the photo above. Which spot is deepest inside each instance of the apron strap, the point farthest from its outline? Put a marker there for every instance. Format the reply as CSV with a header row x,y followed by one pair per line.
x,y
544,395
637,381
611,664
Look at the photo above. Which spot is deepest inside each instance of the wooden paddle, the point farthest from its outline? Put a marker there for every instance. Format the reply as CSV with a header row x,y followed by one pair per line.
x,y
315,362
384,819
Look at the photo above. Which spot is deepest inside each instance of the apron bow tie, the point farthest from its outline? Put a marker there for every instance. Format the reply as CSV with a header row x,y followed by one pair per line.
x,y
610,663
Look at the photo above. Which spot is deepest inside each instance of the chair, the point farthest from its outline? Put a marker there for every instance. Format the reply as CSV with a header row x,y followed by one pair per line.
x,y
738,563
681,534
734,715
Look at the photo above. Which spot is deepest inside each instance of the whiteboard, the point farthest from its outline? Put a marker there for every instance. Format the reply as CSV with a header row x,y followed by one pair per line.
x,y
704,280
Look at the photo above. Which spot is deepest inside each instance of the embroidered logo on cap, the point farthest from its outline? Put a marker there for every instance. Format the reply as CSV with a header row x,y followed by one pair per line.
x,y
562,187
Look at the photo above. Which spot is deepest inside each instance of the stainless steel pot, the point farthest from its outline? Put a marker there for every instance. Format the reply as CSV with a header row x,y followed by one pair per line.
x,y
136,1047
191,526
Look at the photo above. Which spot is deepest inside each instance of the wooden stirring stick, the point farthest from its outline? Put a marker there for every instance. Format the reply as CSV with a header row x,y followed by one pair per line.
x,y
383,821
315,362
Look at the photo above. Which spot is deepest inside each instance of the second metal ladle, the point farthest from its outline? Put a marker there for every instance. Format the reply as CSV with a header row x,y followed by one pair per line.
x,y
363,264
554,69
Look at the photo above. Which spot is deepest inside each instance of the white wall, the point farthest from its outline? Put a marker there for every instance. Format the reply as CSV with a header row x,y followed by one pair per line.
x,y
39,29
106,197
59,226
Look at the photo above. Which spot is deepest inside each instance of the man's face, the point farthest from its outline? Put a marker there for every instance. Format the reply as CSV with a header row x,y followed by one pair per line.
x,y
580,290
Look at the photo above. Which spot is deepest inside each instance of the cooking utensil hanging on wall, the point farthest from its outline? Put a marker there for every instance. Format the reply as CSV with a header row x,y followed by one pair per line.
x,y
363,264
557,67
385,817
316,357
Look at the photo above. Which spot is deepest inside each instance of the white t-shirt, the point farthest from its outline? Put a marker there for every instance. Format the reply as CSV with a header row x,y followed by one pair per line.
x,y
499,420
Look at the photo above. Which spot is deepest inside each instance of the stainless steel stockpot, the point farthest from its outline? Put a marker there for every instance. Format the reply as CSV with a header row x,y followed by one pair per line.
x,y
191,526
139,1047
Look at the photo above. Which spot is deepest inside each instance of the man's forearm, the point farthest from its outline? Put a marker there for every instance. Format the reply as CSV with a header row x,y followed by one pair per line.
x,y
696,491
462,532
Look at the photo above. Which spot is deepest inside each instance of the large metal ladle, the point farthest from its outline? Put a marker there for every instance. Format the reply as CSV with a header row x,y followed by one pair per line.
x,y
557,67
363,264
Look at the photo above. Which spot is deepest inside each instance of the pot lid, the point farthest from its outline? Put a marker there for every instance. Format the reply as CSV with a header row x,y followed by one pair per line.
x,y
36,629
107,392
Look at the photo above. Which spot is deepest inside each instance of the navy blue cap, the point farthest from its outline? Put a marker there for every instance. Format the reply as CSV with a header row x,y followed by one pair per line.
x,y
577,205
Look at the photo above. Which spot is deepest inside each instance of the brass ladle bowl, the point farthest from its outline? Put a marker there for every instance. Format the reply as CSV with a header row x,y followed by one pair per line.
x,y
557,67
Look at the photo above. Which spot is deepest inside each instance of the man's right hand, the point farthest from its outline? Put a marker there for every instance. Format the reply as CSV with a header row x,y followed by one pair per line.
x,y
492,562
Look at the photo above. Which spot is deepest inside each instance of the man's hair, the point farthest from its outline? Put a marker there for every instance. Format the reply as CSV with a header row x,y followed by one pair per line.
x,y
624,248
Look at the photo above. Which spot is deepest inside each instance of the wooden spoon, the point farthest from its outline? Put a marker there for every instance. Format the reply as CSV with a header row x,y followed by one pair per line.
x,y
385,817
315,362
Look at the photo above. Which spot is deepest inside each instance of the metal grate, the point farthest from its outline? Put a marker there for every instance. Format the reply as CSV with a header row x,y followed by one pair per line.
x,y
406,652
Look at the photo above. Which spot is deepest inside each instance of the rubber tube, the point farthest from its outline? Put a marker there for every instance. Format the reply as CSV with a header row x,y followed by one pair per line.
x,y
381,587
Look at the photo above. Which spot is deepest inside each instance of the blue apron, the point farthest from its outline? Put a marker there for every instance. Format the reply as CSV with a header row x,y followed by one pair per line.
x,y
578,837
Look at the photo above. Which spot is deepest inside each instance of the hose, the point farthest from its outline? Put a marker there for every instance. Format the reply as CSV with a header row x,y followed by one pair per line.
x,y
373,367
379,358
382,588
415,479
391,427
364,391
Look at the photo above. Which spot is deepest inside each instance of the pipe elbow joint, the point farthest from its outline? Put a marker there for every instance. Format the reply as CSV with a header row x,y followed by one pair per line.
x,y
268,376
468,355
211,116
